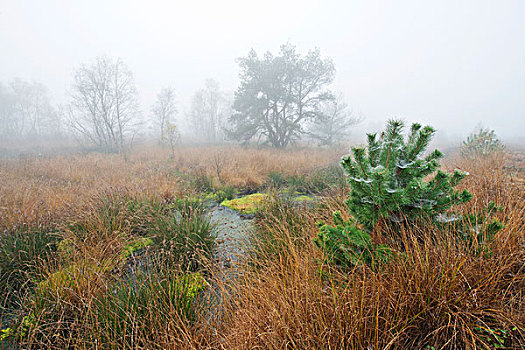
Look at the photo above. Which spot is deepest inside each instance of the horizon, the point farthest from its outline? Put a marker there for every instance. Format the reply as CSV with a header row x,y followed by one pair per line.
x,y
452,65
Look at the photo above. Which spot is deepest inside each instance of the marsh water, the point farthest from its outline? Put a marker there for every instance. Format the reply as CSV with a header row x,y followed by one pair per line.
x,y
232,230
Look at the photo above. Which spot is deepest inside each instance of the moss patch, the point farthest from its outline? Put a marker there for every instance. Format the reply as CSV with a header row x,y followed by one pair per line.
x,y
191,284
137,244
247,204
73,282
303,198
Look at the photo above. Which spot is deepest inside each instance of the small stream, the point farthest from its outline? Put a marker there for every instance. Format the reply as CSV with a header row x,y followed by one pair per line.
x,y
232,230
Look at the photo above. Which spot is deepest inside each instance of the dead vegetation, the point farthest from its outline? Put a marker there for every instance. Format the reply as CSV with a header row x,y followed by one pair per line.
x,y
438,293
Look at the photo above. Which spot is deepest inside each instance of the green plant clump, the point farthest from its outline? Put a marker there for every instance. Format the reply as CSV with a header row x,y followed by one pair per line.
x,y
23,251
316,182
481,144
346,246
68,283
136,245
135,309
187,235
478,230
388,179
302,199
20,332
248,204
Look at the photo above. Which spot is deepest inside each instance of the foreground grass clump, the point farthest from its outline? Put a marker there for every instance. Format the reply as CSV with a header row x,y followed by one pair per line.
x,y
186,235
141,310
119,242
24,249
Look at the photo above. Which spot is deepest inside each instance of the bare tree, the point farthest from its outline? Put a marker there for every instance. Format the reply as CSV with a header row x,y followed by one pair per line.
x,y
171,136
104,108
7,113
26,110
164,110
334,122
210,109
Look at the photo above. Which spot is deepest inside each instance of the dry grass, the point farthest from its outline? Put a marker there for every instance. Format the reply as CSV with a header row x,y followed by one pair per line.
x,y
437,293
33,187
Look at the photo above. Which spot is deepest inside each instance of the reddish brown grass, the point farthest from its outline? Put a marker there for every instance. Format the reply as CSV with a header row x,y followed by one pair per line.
x,y
437,292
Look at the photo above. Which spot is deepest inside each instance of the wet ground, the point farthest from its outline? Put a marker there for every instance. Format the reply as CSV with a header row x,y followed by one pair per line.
x,y
232,230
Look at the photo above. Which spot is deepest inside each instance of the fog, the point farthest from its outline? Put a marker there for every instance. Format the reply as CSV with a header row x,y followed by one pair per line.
x,y
453,64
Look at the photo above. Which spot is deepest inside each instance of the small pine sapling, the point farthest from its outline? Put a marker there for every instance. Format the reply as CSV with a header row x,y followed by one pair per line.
x,y
389,178
481,144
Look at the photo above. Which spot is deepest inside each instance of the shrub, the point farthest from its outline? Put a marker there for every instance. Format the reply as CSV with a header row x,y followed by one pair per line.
x,y
388,180
481,144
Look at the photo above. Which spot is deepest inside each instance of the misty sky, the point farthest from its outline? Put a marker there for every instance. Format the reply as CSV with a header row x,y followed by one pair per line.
x,y
449,63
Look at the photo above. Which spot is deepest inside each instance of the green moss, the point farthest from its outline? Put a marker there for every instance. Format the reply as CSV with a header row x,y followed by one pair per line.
x,y
303,198
137,244
247,204
191,284
6,333
66,248
21,331
69,282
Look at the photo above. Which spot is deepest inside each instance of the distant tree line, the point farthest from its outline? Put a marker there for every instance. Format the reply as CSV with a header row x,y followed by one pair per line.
x,y
26,111
281,99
